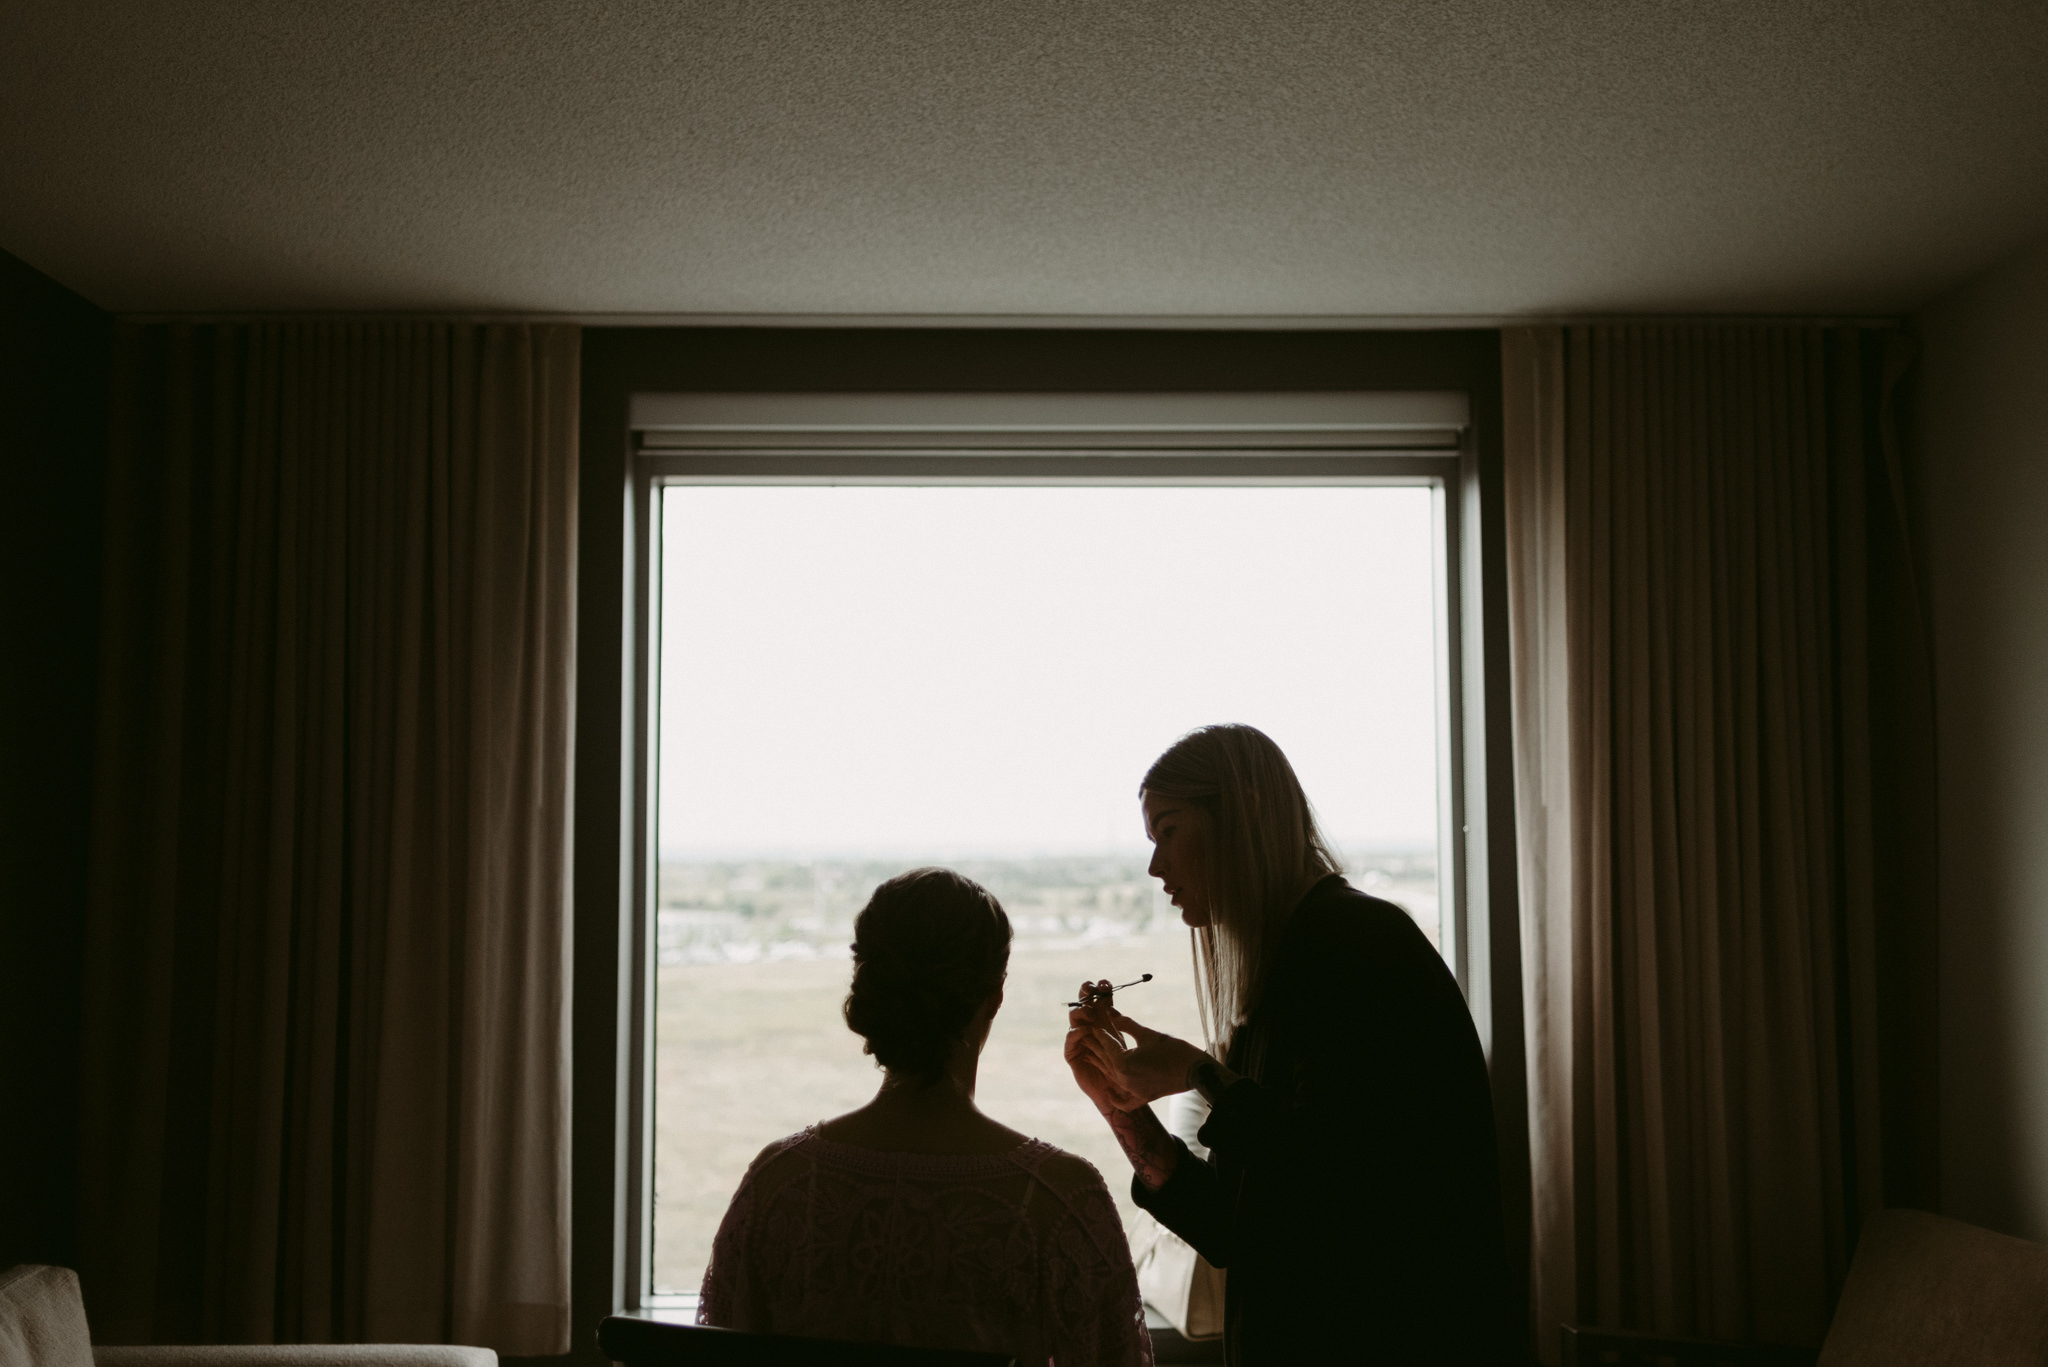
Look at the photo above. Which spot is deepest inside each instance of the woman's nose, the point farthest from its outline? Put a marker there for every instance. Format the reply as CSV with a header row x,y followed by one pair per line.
x,y
1157,868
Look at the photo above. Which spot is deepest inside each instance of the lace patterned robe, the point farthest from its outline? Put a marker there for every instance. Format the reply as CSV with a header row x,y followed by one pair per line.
x,y
1019,1252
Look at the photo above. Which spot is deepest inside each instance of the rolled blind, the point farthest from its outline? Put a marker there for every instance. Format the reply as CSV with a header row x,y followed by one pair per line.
x,y
1412,420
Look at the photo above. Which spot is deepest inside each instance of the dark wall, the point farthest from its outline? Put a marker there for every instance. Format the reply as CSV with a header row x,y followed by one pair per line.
x,y
53,416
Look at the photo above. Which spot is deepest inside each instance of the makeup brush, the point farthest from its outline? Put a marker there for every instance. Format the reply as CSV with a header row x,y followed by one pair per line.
x,y
1091,1000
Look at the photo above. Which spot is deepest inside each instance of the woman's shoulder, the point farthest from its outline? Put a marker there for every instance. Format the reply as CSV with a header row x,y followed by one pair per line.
x,y
1080,1197
776,1151
1342,941
1334,913
1068,1175
1060,1170
1034,1158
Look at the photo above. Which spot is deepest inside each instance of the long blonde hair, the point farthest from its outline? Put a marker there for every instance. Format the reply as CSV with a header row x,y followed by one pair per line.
x,y
1264,851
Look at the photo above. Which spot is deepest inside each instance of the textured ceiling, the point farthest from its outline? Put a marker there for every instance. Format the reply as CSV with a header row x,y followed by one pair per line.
x,y
1456,157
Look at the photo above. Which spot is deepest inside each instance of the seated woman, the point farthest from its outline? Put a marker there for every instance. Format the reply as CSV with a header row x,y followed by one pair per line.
x,y
917,1220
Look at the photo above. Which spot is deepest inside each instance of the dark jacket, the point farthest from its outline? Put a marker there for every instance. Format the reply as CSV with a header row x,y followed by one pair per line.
x,y
1352,1188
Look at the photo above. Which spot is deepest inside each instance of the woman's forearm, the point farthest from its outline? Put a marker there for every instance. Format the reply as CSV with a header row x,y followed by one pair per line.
x,y
1146,1143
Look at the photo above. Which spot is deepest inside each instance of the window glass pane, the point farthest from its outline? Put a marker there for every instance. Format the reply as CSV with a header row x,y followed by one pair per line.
x,y
858,680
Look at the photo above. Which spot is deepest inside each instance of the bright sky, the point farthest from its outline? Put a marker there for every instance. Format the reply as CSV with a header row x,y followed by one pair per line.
x,y
948,671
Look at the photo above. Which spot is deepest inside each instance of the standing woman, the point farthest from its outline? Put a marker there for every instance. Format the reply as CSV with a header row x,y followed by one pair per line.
x,y
1352,1189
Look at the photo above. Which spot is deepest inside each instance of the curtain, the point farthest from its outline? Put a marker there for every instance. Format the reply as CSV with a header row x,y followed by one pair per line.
x,y
1712,742
326,1055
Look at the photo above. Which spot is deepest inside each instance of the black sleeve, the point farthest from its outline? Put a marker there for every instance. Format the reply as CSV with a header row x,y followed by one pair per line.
x,y
1351,1183
1268,1139
1193,1204
1369,1116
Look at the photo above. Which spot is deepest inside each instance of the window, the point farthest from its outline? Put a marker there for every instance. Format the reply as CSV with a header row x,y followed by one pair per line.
x,y
955,629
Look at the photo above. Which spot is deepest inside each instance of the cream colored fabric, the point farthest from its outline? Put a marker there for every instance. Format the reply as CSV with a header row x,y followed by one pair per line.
x,y
1685,546
1174,1279
326,1036
1533,414
42,1319
298,1355
1177,1281
1932,1292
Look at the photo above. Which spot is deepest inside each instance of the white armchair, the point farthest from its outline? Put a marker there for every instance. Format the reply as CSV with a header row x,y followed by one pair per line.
x,y
42,1324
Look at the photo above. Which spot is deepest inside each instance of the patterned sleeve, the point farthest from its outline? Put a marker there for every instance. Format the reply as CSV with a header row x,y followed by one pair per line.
x,y
1099,1316
718,1300
728,1297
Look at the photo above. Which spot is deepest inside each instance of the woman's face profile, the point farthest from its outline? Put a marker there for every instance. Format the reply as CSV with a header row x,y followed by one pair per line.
x,y
1179,831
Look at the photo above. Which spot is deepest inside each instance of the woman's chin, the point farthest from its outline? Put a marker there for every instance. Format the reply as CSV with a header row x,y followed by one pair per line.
x,y
1194,918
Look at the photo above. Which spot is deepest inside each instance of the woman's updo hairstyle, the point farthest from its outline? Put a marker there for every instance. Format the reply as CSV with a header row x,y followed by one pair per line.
x,y
928,949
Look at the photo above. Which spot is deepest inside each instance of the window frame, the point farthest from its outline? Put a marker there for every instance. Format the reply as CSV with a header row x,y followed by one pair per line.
x,y
1042,354
1391,439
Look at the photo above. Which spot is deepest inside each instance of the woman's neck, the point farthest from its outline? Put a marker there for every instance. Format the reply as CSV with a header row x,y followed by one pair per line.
x,y
913,1115
951,1092
945,1095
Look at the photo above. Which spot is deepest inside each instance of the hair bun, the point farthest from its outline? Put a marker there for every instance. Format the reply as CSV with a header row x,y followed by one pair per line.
x,y
929,948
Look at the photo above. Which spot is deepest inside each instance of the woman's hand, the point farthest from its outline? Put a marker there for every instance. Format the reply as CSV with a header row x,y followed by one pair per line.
x,y
1094,1017
1115,1076
1102,1065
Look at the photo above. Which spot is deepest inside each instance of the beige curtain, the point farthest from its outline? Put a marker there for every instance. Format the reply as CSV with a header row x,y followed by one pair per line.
x,y
326,1067
1689,542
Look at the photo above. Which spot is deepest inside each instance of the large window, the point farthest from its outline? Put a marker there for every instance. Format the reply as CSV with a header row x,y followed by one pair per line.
x,y
936,664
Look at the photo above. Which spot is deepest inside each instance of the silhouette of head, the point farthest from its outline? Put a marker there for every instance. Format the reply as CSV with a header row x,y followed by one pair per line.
x,y
930,949
1252,854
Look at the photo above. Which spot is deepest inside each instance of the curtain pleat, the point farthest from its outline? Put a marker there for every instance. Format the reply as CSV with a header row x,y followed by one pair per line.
x,y
1689,599
326,1053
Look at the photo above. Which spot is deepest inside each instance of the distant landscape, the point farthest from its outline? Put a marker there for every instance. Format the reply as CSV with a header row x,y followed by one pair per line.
x,y
753,966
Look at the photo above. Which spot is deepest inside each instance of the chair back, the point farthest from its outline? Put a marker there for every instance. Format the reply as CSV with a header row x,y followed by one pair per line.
x,y
1925,1291
646,1343
42,1318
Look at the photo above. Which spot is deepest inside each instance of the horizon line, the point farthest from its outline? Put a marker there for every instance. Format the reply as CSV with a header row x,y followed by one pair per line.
x,y
723,853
